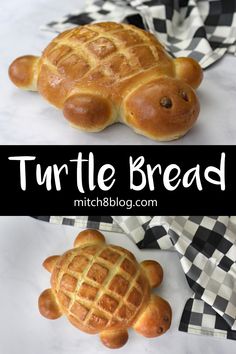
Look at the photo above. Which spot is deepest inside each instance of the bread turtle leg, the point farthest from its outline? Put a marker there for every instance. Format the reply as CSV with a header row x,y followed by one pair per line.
x,y
23,72
89,237
48,306
50,262
154,272
114,339
155,319
188,70
88,111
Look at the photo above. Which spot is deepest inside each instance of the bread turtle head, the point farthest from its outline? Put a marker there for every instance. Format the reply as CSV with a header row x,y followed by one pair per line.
x,y
165,108
155,320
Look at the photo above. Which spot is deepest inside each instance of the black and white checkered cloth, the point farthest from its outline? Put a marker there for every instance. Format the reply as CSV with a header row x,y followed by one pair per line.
x,y
207,249
104,223
202,29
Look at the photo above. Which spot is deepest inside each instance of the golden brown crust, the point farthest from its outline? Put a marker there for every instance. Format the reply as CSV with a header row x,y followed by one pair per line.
x,y
101,57
154,272
89,236
188,70
54,87
91,72
155,320
81,326
102,289
114,339
23,72
99,287
48,306
163,109
88,112
50,262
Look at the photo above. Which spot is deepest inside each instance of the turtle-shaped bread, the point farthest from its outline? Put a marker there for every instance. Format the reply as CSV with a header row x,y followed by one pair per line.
x,y
103,289
104,73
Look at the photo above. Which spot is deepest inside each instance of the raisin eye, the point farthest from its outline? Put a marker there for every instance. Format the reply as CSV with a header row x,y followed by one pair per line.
x,y
166,319
161,330
166,102
184,95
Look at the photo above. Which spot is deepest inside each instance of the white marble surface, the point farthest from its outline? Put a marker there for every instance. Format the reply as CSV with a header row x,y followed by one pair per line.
x,y
24,244
26,118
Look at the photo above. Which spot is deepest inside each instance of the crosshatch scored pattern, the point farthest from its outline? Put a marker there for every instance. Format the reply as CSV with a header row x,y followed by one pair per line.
x,y
218,231
99,287
203,30
108,53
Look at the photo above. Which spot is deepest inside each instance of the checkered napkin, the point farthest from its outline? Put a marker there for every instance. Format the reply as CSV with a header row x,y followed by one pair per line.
x,y
103,223
202,29
207,249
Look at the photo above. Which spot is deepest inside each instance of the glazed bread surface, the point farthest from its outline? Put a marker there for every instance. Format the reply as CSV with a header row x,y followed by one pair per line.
x,y
99,295
102,289
97,73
